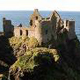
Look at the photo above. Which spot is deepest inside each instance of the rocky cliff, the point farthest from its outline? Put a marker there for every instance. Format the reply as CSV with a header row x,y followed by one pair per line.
x,y
23,59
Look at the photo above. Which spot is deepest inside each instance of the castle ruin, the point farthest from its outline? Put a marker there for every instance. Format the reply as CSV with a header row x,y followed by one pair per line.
x,y
43,29
8,28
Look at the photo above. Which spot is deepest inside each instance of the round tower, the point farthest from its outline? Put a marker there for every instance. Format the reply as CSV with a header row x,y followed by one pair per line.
x,y
38,31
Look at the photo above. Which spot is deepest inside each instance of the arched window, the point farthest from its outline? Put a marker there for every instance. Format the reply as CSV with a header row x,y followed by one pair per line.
x,y
20,32
31,22
66,23
36,17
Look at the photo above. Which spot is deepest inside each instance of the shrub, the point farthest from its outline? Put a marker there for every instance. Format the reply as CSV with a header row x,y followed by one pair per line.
x,y
33,42
34,57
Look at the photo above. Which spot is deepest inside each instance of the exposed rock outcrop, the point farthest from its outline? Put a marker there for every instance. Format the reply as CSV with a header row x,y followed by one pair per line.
x,y
61,63
23,59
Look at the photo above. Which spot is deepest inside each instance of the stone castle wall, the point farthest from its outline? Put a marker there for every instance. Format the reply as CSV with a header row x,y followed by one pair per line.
x,y
35,16
31,33
38,31
20,31
70,26
46,31
43,29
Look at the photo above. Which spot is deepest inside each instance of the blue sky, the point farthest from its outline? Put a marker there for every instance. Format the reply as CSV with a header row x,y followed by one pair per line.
x,y
61,5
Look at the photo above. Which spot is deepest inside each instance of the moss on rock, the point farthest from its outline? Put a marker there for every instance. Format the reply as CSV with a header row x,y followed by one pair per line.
x,y
18,41
28,60
43,64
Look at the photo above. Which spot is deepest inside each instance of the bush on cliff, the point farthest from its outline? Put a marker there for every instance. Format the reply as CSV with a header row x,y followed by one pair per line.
x,y
46,64
16,42
43,64
27,61
32,43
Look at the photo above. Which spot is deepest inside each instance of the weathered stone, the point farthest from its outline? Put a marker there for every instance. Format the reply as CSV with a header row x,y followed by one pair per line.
x,y
43,29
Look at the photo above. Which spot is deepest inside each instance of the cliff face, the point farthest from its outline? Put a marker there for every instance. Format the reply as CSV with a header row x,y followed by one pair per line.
x,y
6,57
48,64
24,59
6,52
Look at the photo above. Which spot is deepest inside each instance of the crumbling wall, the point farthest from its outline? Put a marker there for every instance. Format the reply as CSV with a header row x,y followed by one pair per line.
x,y
20,31
70,26
38,31
43,29
56,23
31,33
46,31
35,16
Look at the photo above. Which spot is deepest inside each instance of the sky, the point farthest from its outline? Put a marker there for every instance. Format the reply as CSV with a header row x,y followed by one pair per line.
x,y
60,5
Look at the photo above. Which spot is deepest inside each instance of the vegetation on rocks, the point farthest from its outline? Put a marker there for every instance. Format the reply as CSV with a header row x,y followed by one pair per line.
x,y
24,59
29,60
43,64
18,41
21,44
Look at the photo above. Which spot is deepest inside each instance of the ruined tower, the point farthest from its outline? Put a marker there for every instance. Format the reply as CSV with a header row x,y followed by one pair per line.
x,y
55,23
43,29
36,26
70,26
38,31
35,16
8,28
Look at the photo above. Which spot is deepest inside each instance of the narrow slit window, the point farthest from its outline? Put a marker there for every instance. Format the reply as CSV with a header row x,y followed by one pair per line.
x,y
27,32
20,32
36,17
31,22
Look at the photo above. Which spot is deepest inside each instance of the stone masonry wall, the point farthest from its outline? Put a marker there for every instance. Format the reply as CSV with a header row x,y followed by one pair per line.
x,y
70,26
20,31
43,29
46,31
35,16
